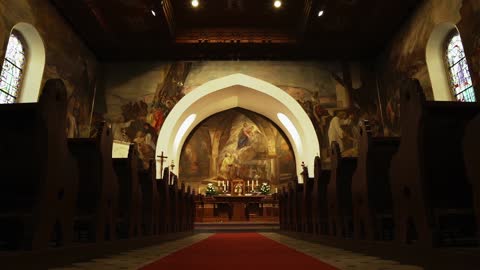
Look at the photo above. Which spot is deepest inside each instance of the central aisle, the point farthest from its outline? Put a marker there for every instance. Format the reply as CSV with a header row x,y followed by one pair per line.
x,y
235,251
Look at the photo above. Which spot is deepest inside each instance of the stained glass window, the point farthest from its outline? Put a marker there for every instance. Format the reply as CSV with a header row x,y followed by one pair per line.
x,y
12,70
460,78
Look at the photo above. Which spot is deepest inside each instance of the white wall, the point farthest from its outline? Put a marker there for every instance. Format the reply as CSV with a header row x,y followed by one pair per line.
x,y
435,56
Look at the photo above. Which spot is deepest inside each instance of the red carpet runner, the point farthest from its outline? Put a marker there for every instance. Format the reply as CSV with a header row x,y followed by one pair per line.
x,y
235,251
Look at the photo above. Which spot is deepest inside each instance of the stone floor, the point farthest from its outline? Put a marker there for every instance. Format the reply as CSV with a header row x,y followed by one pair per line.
x,y
339,258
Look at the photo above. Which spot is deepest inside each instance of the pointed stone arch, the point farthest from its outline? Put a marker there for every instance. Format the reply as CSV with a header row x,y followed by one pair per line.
x,y
239,90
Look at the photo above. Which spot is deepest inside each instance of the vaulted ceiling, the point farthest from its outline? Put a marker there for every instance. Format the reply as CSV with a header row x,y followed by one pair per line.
x,y
236,29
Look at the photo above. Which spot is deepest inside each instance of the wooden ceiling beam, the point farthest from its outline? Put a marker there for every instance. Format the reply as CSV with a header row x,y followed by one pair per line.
x,y
95,10
304,20
167,8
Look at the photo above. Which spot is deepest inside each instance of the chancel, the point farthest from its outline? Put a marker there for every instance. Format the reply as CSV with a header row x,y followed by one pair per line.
x,y
180,134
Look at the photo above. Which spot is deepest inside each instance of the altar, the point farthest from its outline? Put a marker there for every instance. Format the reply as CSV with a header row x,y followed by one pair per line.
x,y
238,208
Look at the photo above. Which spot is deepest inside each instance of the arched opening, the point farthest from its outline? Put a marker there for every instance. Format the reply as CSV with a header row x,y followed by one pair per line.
x,y
448,71
29,88
233,145
12,69
239,90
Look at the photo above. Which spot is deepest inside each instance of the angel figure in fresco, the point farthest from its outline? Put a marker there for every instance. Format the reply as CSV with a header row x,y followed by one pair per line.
x,y
226,165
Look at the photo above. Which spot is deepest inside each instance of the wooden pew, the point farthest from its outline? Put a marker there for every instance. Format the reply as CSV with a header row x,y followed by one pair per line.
x,y
283,205
150,200
173,195
306,206
371,191
39,184
295,196
97,202
319,198
164,195
287,208
189,207
471,149
339,193
432,197
181,200
130,195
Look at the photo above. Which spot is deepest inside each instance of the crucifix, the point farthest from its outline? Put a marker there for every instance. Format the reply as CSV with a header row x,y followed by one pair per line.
x,y
162,158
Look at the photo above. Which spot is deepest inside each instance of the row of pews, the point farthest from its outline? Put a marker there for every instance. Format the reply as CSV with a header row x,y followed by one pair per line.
x,y
56,191
422,189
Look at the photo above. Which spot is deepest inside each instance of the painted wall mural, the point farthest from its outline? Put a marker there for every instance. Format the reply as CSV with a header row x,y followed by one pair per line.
x,y
406,56
236,144
67,57
139,97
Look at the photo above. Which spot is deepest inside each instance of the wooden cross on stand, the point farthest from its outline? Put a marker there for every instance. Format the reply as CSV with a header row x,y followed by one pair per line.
x,y
162,158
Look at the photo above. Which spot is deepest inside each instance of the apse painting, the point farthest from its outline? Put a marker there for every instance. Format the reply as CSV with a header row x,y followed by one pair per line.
x,y
236,144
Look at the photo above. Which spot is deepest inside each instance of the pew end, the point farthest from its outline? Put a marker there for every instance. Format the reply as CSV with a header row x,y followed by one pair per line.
x,y
432,197
37,197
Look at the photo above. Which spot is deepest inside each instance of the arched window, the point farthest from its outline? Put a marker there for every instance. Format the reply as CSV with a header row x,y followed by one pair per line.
x,y
460,79
12,70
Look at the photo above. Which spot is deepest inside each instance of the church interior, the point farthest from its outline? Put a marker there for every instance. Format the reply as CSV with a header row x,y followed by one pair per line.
x,y
234,134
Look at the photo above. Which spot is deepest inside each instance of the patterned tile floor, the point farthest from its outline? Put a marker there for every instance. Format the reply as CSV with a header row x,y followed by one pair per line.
x,y
339,258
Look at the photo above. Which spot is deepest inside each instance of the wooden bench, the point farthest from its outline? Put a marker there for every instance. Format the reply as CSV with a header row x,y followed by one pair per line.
x,y
295,196
189,209
319,207
371,191
151,200
339,194
471,149
97,202
39,183
164,195
181,200
306,207
130,195
432,196
283,216
173,203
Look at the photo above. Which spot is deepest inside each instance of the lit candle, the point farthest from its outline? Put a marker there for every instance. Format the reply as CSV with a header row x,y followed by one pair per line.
x,y
248,183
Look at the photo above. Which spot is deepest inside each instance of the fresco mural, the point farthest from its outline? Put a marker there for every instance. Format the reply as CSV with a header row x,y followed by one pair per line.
x,y
139,97
405,57
138,118
236,144
67,57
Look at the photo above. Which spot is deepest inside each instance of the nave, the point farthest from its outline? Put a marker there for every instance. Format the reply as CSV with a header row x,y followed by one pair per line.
x,y
139,134
239,250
